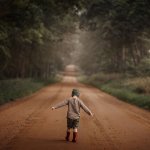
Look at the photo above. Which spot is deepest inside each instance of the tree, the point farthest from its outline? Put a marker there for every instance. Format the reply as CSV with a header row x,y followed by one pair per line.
x,y
122,26
30,31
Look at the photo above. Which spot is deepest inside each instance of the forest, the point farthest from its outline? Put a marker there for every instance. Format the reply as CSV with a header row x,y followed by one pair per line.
x,y
116,49
37,38
32,33
119,39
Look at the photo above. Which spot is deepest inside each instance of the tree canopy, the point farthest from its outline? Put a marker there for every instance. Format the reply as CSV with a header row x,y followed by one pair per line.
x,y
114,34
30,34
121,28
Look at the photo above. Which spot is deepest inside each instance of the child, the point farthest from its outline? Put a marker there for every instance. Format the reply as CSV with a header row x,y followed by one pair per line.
x,y
73,114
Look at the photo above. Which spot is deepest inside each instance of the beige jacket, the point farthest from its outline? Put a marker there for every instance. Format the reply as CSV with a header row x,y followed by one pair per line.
x,y
74,105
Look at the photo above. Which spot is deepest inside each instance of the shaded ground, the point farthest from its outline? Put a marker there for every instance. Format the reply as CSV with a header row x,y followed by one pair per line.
x,y
30,124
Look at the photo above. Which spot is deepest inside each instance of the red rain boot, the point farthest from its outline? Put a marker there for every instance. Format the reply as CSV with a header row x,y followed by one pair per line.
x,y
74,137
67,136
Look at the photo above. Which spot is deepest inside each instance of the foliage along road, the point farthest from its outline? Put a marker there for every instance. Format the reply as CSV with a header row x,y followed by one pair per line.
x,y
30,124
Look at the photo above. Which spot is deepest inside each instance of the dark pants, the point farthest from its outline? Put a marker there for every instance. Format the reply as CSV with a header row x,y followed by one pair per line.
x,y
72,123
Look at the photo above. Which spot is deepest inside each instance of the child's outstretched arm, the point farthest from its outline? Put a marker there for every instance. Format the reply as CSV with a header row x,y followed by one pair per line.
x,y
61,104
86,109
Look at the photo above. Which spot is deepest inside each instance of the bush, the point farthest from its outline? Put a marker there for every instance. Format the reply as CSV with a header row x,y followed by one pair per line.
x,y
129,96
140,84
15,88
127,88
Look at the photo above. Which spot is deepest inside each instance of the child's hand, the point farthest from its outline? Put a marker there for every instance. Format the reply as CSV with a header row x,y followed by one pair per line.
x,y
53,108
91,114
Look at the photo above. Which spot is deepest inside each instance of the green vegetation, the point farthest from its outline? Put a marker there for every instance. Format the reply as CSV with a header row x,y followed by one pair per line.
x,y
117,37
32,43
32,34
133,90
16,88
115,40
112,36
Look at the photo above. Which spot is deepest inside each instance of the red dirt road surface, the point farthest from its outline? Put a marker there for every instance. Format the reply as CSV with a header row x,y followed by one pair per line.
x,y
30,124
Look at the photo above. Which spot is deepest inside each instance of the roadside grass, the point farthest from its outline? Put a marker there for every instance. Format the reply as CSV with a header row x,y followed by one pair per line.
x,y
140,84
16,88
134,90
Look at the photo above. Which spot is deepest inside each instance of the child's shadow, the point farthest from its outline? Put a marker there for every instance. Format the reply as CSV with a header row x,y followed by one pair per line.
x,y
39,143
57,141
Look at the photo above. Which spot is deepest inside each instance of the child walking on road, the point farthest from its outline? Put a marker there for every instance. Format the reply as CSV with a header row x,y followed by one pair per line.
x,y
73,114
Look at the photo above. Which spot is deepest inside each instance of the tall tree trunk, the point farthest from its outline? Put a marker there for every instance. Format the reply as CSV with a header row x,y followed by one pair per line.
x,y
123,58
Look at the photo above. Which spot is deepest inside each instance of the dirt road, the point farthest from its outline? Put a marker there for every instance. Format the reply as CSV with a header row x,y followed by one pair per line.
x,y
30,124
